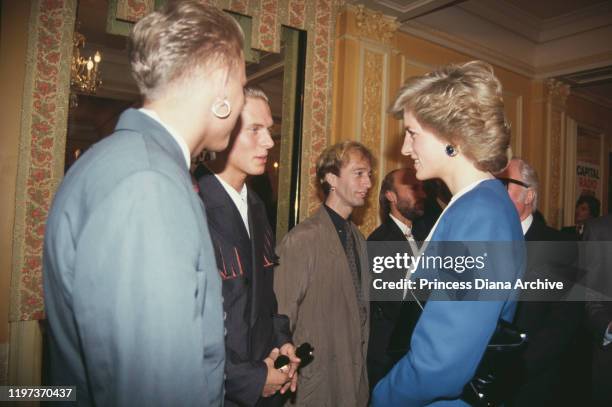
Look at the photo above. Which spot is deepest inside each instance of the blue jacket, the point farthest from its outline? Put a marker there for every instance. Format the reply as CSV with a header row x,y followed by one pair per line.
x,y
451,336
132,293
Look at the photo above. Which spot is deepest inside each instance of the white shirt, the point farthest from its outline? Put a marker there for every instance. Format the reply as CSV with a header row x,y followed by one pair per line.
x,y
526,223
406,230
239,199
179,140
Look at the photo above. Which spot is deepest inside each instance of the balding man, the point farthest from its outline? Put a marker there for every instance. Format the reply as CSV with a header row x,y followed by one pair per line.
x,y
550,326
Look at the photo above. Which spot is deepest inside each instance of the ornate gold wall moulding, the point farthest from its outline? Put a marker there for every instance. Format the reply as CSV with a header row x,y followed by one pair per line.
x,y
373,107
554,185
556,91
374,25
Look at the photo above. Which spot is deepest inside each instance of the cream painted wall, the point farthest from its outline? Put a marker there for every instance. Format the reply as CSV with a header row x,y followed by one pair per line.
x,y
13,44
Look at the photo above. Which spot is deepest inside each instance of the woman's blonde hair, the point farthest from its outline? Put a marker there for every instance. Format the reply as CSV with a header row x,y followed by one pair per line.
x,y
462,105
184,35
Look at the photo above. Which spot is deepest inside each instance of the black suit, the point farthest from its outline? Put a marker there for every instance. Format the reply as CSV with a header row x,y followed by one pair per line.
x,y
246,267
388,231
599,313
391,323
551,326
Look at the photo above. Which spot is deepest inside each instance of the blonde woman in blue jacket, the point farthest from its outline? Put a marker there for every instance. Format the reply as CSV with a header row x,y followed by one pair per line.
x,y
456,131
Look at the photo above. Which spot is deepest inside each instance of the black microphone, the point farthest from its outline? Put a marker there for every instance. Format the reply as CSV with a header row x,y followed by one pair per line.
x,y
304,352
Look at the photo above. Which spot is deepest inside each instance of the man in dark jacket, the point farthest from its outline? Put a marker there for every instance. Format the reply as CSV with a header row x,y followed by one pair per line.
x,y
550,323
401,201
598,237
587,207
244,248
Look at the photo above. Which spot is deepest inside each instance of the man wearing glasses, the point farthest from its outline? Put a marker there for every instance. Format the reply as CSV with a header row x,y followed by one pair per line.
x,y
550,325
524,195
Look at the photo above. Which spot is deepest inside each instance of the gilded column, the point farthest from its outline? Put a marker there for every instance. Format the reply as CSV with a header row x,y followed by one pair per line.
x,y
371,129
556,94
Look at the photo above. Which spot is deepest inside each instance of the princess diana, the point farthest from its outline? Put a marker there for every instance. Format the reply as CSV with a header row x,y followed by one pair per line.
x,y
455,131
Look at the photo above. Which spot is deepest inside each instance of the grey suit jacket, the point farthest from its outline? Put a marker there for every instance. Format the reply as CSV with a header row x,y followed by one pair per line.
x,y
132,295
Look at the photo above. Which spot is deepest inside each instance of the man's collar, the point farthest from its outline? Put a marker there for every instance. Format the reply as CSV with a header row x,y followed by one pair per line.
x,y
338,220
406,230
177,137
231,190
526,223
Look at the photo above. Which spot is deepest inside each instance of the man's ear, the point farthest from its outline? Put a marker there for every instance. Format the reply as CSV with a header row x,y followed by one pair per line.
x,y
529,197
331,179
391,196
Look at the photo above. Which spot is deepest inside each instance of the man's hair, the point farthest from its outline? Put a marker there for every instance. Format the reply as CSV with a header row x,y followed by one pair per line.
x,y
388,184
256,93
592,202
462,105
530,177
335,157
185,35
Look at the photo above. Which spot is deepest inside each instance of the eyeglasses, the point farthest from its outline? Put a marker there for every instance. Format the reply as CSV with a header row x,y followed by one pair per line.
x,y
507,181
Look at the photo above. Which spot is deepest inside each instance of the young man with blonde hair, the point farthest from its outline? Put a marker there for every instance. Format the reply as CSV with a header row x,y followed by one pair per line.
x,y
244,247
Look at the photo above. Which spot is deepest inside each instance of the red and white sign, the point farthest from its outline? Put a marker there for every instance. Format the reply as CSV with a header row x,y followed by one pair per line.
x,y
588,179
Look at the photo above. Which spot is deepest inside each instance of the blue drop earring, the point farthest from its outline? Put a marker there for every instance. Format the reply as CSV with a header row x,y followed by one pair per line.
x,y
450,150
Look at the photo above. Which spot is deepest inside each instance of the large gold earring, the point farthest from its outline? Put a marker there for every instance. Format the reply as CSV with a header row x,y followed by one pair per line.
x,y
221,108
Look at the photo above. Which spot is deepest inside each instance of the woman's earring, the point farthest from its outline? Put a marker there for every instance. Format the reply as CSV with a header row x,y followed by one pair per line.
x,y
221,109
332,189
451,150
